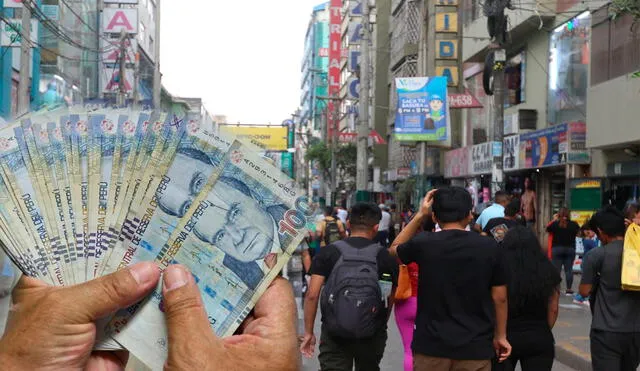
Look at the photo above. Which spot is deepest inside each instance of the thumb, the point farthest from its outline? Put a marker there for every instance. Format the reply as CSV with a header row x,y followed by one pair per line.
x,y
184,310
97,298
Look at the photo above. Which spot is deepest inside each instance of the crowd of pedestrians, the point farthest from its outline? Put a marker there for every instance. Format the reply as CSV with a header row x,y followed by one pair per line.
x,y
469,292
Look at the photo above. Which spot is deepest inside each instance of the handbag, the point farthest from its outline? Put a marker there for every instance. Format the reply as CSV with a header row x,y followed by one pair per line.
x,y
631,259
403,291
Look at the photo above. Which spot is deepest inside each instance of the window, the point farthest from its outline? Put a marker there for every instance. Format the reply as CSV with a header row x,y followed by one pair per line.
x,y
515,79
569,60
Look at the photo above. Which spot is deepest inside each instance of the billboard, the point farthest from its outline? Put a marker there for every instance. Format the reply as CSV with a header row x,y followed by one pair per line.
x,y
110,78
542,148
111,50
114,20
422,112
270,138
11,32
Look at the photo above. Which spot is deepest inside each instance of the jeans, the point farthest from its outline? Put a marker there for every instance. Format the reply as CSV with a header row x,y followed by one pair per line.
x,y
383,238
340,354
615,351
564,256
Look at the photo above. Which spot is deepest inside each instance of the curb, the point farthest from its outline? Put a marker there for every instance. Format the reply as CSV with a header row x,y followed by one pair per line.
x,y
571,357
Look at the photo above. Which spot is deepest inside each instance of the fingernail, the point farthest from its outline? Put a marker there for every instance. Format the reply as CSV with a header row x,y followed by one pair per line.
x,y
144,272
175,276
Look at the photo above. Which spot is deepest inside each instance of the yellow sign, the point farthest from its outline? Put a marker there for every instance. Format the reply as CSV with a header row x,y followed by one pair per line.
x,y
447,49
269,138
581,217
447,22
450,72
589,184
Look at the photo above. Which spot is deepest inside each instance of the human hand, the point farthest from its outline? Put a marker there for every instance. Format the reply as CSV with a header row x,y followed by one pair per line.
x,y
502,348
52,328
427,203
267,339
308,345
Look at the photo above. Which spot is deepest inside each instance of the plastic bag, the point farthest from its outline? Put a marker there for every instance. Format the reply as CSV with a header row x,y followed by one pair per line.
x,y
631,259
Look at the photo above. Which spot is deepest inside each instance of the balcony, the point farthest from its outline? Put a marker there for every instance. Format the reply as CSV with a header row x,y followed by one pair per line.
x,y
405,31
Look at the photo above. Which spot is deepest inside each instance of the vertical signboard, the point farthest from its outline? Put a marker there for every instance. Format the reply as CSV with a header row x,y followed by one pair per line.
x,y
335,54
116,20
511,153
422,113
447,45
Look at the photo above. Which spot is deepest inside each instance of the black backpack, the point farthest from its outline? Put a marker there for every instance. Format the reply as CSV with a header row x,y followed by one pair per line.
x,y
352,301
331,231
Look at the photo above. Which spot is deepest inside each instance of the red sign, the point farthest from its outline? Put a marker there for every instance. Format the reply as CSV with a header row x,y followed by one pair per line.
x,y
335,55
464,100
353,137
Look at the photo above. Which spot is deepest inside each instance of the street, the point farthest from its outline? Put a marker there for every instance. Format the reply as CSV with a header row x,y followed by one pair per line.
x,y
393,356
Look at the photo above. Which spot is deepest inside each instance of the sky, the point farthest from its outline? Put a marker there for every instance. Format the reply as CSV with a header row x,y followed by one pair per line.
x,y
242,57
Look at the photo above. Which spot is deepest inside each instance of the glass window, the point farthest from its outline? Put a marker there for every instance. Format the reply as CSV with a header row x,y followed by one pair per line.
x,y
568,70
515,79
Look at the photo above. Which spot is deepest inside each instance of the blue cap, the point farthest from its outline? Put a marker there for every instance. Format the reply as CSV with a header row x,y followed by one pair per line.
x,y
436,97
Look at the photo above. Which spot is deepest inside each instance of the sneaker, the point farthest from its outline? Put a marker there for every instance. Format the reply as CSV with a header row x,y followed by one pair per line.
x,y
569,293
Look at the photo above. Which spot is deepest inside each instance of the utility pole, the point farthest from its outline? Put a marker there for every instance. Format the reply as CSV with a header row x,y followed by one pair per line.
x,y
362,174
122,91
25,62
157,77
429,70
497,169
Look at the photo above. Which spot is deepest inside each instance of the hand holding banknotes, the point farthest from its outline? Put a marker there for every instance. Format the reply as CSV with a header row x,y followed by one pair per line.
x,y
53,328
267,340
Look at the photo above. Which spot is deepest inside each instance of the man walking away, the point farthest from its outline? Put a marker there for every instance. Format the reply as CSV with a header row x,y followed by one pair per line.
x,y
383,229
342,214
359,278
498,227
330,229
461,322
615,327
494,211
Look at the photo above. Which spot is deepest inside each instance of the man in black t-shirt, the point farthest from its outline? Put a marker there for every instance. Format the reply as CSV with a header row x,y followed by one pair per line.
x,y
462,294
338,353
498,227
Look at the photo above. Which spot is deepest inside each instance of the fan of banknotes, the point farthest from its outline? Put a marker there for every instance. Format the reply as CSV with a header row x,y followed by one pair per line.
x,y
85,193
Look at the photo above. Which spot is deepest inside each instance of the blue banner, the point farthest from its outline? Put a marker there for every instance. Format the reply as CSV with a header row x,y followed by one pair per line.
x,y
422,112
547,147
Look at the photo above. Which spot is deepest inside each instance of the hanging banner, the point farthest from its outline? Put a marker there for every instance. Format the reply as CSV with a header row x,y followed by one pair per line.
x,y
335,55
422,111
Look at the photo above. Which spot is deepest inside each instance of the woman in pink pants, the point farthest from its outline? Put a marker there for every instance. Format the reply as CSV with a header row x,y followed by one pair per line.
x,y
405,311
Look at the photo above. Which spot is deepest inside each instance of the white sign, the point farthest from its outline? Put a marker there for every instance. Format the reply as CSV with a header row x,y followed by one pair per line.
x,y
114,20
511,153
12,3
111,51
355,33
110,78
120,1
11,32
511,123
481,159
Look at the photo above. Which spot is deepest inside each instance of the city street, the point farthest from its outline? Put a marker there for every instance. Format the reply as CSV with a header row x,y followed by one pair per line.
x,y
569,330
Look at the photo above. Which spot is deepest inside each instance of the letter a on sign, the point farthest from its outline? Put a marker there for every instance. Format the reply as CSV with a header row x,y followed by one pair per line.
x,y
116,20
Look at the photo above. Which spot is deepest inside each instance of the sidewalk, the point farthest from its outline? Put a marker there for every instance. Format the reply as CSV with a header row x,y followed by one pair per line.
x,y
572,333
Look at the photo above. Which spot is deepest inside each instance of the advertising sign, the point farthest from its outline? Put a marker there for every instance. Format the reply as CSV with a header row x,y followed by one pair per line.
x,y
11,32
481,158
335,54
270,138
12,3
114,20
422,110
542,148
353,92
456,163
511,153
578,152
354,59
355,32
110,78
111,50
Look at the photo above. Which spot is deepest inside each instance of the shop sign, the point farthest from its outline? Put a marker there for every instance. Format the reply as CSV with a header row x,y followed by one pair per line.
x,y
543,148
456,163
586,183
335,56
578,152
116,20
511,153
581,217
481,158
271,138
511,123
404,173
11,32
12,3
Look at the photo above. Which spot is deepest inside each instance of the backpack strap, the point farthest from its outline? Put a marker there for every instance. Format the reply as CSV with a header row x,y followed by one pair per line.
x,y
367,254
